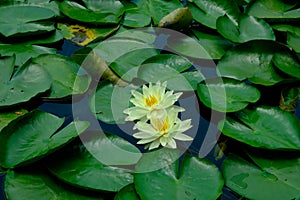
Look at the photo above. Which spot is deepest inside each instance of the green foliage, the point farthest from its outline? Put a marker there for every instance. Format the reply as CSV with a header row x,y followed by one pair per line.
x,y
240,58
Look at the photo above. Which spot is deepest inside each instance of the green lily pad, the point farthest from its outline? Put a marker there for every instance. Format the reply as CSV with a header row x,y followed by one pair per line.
x,y
227,95
196,179
127,193
37,184
109,102
114,7
179,63
33,138
255,127
113,150
215,45
293,35
188,47
156,9
186,81
7,117
248,28
136,18
77,166
26,20
80,13
208,11
287,63
251,60
66,75
24,52
278,180
125,65
274,9
20,86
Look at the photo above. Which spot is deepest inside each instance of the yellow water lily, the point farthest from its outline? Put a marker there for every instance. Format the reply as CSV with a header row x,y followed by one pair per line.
x,y
152,98
164,127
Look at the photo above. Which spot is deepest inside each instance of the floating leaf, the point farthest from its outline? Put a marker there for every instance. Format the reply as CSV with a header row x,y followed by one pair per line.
x,y
227,95
208,11
33,138
293,35
7,117
26,20
287,63
82,36
66,75
248,28
279,181
275,9
176,62
252,61
24,52
78,12
109,102
125,66
37,184
186,81
20,86
215,45
113,150
256,127
136,18
127,193
179,19
187,46
77,166
196,179
113,7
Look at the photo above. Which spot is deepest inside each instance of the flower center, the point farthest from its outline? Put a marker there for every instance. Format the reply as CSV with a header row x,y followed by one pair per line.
x,y
165,125
151,100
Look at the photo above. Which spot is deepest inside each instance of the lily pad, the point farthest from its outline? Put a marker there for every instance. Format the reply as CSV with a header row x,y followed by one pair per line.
x,y
215,45
37,184
279,180
26,20
34,138
20,86
274,9
186,81
7,117
227,95
253,61
77,166
255,127
125,66
136,18
157,9
24,52
66,75
109,102
248,28
114,7
113,150
287,63
293,35
179,63
208,11
127,193
80,13
196,179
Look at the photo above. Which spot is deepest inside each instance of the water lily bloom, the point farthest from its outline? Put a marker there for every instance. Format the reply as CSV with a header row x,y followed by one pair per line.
x,y
152,98
164,127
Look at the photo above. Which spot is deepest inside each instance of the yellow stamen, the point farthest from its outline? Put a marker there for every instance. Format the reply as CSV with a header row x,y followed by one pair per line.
x,y
165,126
151,100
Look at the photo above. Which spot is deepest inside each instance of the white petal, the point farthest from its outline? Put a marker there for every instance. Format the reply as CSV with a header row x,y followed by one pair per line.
x,y
184,125
138,102
145,127
155,144
182,137
171,144
163,141
145,141
136,113
143,135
